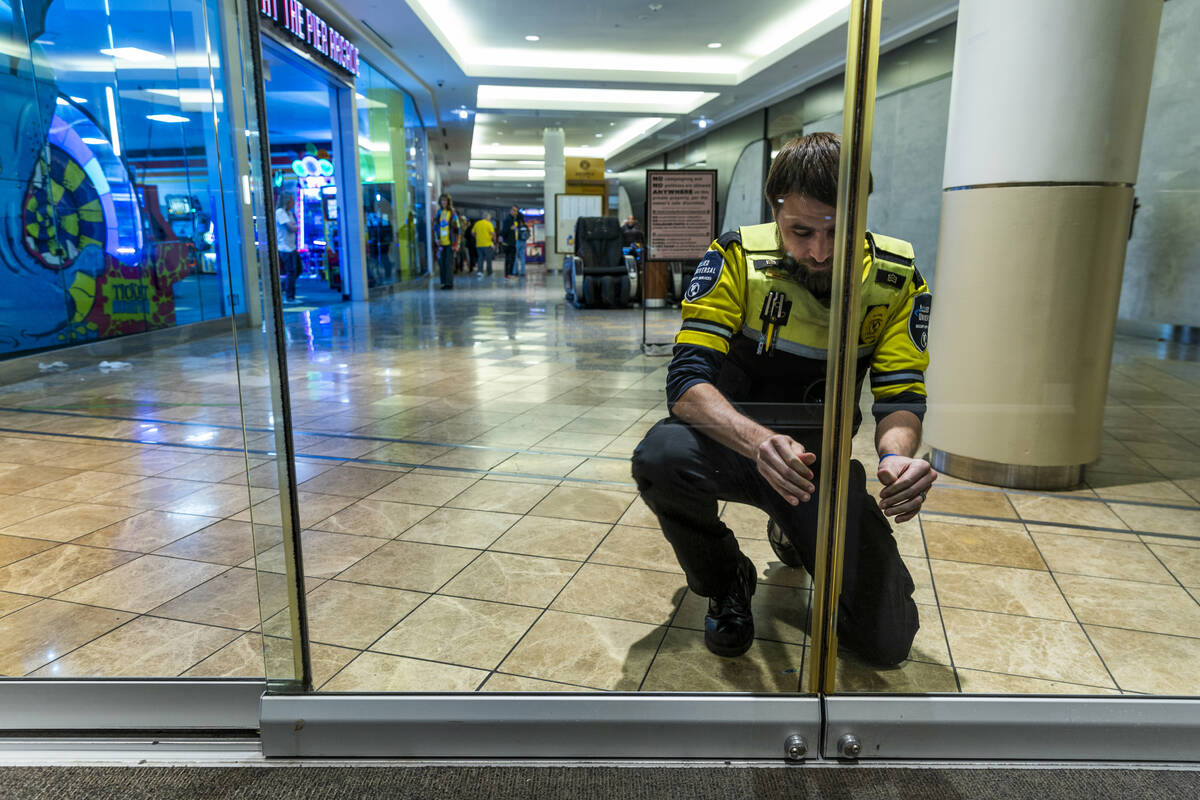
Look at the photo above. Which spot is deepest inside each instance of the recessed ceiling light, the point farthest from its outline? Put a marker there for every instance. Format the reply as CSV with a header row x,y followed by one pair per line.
x,y
134,54
79,99
93,140
714,45
703,123
599,135
462,113
166,118
562,98
533,37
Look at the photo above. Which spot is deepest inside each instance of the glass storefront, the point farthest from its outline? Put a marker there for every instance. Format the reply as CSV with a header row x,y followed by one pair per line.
x,y
413,522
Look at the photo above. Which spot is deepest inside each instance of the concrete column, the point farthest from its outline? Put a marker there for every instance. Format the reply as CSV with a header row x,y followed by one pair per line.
x,y
1047,107
555,182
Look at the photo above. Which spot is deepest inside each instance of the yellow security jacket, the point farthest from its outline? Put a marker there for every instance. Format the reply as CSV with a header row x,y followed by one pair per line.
x,y
786,390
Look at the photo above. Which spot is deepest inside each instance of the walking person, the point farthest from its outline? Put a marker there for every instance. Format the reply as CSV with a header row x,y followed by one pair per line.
x,y
509,237
522,240
485,241
446,233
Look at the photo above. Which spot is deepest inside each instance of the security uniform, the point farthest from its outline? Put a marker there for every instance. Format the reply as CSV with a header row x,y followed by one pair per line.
x,y
774,373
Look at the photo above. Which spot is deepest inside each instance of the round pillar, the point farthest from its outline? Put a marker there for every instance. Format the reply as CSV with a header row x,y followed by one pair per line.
x,y
1047,107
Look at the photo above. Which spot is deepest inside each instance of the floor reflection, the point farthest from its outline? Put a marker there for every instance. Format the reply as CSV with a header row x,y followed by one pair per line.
x,y
470,522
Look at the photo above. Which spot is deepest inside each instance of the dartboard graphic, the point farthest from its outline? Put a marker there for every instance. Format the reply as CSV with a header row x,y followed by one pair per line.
x,y
63,212
80,195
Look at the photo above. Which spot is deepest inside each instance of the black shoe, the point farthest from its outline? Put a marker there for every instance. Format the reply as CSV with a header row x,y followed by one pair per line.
x,y
785,551
729,625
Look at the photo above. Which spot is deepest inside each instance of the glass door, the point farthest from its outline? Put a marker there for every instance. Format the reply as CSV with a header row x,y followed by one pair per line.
x,y
1054,561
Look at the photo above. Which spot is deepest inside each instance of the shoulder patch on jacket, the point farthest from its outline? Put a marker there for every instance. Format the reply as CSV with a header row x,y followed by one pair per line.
x,y
918,321
708,271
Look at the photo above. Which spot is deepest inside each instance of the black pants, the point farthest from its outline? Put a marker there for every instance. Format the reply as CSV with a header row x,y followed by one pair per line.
x,y
510,258
682,474
289,266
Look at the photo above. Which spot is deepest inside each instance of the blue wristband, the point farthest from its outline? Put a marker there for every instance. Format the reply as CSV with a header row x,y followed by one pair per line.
x,y
885,455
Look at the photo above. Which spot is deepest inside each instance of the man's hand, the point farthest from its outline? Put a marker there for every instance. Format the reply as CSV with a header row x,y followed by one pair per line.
x,y
905,483
785,464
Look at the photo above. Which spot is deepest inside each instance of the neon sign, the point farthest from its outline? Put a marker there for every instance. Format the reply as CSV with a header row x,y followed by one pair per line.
x,y
313,31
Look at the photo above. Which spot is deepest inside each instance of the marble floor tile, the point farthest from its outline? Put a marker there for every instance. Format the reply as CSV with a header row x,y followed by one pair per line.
x,y
1037,648
508,578
1150,662
348,481
1004,590
930,645
747,522
911,677
146,647
1090,533
226,542
71,522
552,538
406,453
639,515
460,527
141,584
410,565
1059,510
206,468
15,548
643,548
545,465
1104,558
611,471
354,614
51,571
470,458
574,441
1126,487
592,505
155,462
17,478
684,664
781,613
243,658
970,502
505,496
153,492
623,593
501,682
10,602
1183,562
586,651
981,545
83,486
42,632
1155,519
1146,607
455,630
378,672
218,500
14,509
325,554
146,532
313,509
973,681
378,518
423,489
230,600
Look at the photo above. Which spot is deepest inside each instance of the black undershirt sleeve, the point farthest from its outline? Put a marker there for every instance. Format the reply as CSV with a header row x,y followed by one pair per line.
x,y
905,401
691,364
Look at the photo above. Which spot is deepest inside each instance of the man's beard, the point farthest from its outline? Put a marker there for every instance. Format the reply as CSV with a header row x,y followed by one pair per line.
x,y
818,282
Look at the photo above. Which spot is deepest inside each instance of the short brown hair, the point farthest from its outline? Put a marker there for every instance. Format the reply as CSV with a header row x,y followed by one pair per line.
x,y
807,165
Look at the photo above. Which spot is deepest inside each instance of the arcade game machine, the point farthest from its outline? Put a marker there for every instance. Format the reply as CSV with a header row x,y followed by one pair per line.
x,y
310,180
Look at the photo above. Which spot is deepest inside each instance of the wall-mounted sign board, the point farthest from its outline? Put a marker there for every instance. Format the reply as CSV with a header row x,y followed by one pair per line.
x,y
681,213
567,209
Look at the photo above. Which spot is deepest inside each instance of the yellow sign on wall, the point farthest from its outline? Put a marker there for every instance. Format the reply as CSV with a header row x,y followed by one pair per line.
x,y
584,169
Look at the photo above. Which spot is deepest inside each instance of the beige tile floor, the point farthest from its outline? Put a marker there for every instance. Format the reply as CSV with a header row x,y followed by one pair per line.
x,y
470,524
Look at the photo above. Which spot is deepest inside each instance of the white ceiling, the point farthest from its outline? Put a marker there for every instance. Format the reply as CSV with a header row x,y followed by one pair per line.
x,y
769,50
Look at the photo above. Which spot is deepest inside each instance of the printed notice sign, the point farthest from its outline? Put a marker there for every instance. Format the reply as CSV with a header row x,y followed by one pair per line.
x,y
681,213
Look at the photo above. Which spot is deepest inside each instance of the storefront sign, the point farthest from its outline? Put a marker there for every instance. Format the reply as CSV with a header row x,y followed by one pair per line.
x,y
317,35
584,169
681,213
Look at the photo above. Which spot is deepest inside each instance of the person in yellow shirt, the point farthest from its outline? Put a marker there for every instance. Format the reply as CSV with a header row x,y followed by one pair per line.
x,y
485,242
